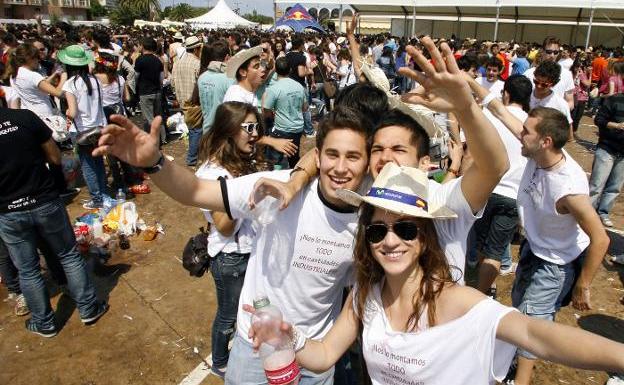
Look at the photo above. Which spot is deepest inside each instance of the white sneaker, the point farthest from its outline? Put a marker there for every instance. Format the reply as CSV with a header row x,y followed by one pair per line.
x,y
619,259
616,380
606,222
510,270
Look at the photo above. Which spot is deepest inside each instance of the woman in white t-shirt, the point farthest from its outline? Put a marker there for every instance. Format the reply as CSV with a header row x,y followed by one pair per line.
x,y
345,71
228,151
84,100
33,89
417,325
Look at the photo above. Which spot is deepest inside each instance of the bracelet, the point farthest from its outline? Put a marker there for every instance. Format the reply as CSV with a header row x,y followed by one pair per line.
x,y
299,168
157,167
486,101
454,172
298,340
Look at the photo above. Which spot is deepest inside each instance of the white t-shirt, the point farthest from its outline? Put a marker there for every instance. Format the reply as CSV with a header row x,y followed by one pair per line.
x,y
90,113
301,261
565,83
462,351
10,95
237,93
495,87
566,64
553,101
348,75
112,93
218,242
452,233
508,185
26,84
554,237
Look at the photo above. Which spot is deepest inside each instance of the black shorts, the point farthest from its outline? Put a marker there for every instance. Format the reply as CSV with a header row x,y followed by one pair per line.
x,y
495,230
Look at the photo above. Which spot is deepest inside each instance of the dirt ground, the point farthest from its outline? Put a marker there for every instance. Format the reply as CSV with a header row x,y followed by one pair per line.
x,y
158,328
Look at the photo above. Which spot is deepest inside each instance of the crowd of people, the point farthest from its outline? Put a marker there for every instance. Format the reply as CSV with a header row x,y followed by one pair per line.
x,y
367,251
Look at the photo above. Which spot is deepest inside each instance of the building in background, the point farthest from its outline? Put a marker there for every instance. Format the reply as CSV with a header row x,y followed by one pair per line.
x,y
29,9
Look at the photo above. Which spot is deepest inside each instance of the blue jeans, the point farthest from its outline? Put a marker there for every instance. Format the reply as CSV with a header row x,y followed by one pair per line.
x,y
606,181
275,157
506,261
540,288
19,231
308,129
93,172
228,271
151,107
245,368
194,137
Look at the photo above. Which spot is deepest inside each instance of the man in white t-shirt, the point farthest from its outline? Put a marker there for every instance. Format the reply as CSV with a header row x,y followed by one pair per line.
x,y
245,67
543,95
491,81
564,87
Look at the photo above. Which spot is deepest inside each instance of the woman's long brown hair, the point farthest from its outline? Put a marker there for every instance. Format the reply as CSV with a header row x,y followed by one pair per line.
x,y
436,272
219,145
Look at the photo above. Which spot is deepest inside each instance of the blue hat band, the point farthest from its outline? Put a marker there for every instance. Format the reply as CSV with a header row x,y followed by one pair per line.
x,y
397,196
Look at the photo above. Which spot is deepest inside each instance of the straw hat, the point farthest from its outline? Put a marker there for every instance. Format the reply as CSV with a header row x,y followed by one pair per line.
x,y
376,76
75,55
178,36
192,42
237,60
421,114
341,40
401,190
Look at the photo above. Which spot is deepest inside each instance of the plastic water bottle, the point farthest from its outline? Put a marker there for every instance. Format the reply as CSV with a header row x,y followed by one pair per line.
x,y
276,350
266,208
120,197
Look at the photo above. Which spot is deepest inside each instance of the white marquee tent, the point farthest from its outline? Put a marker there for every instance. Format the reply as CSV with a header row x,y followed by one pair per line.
x,y
221,16
524,20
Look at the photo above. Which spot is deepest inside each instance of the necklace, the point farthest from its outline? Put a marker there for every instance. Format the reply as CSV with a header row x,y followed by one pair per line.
x,y
552,165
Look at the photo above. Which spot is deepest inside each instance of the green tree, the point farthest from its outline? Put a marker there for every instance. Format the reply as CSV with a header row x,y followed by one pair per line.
x,y
181,12
149,7
126,15
96,10
257,18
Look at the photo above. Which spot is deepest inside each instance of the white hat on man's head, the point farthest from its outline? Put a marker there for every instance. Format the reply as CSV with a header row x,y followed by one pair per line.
x,y
401,190
192,42
242,56
178,36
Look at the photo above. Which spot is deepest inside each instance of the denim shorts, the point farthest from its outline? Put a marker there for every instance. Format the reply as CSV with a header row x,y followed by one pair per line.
x,y
494,231
540,287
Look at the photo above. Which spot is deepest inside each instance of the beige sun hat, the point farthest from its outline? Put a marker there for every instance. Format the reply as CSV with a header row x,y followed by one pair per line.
x,y
376,76
192,42
178,36
401,190
237,60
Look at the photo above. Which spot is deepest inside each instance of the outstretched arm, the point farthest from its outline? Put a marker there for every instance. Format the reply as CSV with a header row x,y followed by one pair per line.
x,y
447,91
561,343
354,46
126,141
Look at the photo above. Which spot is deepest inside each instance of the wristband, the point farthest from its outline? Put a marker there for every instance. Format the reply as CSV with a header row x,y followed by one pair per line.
x,y
298,340
454,172
486,101
157,167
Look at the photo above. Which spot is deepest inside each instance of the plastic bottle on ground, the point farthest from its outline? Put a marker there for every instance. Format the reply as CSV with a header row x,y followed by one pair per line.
x,y
120,197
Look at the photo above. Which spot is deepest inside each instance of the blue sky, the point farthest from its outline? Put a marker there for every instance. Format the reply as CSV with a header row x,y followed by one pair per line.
x,y
264,7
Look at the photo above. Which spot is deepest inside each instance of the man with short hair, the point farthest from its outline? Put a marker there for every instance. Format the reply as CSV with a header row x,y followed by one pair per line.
x,y
213,83
285,101
491,81
300,72
563,87
150,73
183,78
546,75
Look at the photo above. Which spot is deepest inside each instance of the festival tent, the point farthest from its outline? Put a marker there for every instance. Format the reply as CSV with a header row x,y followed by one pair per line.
x,y
297,18
221,16
573,21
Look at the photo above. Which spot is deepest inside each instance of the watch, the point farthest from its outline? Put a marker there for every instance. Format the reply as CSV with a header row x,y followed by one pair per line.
x,y
157,167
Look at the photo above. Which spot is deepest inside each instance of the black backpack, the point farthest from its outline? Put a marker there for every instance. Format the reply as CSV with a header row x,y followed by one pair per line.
x,y
195,258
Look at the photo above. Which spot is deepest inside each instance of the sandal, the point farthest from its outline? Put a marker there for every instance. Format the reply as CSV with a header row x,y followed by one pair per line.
x,y
140,189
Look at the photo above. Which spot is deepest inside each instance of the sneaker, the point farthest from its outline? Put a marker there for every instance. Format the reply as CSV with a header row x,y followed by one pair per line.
x,y
616,380
33,328
619,259
99,311
510,270
90,205
11,297
219,372
606,222
21,307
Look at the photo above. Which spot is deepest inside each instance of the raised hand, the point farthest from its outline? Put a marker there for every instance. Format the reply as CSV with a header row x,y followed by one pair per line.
x,y
352,25
445,88
126,141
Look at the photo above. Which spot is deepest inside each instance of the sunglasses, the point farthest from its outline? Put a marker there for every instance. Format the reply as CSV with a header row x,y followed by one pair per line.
x,y
541,84
376,232
551,51
249,127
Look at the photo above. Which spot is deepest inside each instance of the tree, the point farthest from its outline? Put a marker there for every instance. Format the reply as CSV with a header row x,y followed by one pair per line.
x,y
149,7
181,12
96,10
126,15
257,18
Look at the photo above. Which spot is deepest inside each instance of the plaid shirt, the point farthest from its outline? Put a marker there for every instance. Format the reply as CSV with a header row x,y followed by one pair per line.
x,y
184,76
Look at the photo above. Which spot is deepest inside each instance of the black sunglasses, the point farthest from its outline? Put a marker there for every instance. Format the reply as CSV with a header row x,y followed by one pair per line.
x,y
376,232
249,127
551,51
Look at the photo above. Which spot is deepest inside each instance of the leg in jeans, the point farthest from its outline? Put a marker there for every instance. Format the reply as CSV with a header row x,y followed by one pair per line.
x,y
54,226
577,114
19,232
8,271
612,187
194,136
93,172
308,129
603,166
228,271
506,261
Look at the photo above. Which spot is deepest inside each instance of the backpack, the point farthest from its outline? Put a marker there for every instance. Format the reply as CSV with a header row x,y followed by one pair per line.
x,y
195,258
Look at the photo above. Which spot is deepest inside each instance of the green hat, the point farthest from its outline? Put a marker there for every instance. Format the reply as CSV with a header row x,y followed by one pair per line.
x,y
75,55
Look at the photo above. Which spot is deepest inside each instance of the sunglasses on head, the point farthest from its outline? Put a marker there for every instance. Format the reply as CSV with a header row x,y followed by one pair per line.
x,y
551,51
249,127
376,232
541,84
